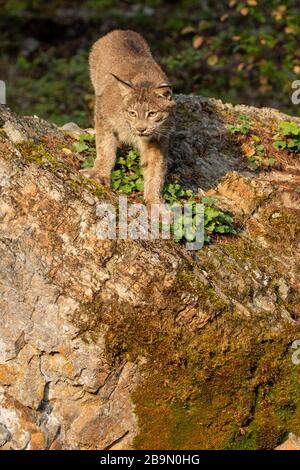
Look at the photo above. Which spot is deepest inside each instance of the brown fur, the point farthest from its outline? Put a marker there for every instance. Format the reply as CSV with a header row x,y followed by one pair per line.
x,y
129,85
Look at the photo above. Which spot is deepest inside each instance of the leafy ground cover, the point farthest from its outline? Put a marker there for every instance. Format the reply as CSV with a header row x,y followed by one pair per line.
x,y
240,51
127,178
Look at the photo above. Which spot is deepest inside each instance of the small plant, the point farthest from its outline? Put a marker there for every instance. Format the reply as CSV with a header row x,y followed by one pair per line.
x,y
173,192
215,221
260,158
288,137
242,127
86,146
127,178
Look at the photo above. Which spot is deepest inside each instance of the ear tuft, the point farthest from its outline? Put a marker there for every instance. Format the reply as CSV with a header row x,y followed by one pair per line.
x,y
125,86
164,90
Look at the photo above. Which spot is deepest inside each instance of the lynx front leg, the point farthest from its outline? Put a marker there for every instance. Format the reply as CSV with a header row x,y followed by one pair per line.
x,y
106,146
154,164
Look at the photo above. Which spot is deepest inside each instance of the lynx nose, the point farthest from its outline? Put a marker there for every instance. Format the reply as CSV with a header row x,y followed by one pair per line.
x,y
141,129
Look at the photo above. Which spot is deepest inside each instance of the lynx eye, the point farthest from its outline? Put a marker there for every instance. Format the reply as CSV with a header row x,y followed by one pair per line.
x,y
132,114
152,114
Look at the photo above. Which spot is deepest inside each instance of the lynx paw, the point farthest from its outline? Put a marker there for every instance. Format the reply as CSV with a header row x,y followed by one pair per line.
x,y
93,174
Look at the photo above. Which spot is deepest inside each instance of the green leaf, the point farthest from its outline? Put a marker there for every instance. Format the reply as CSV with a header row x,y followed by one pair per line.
x,y
139,184
189,193
86,137
221,229
289,128
117,173
279,144
133,177
260,148
116,184
243,126
80,147
225,218
125,188
88,163
210,227
210,201
210,213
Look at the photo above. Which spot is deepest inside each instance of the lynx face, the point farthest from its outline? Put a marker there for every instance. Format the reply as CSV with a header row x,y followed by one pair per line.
x,y
146,108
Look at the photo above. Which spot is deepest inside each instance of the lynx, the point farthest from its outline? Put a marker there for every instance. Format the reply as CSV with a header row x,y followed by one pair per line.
x,y
133,106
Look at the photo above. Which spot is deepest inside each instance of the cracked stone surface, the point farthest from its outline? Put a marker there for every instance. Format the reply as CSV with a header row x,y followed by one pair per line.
x,y
58,388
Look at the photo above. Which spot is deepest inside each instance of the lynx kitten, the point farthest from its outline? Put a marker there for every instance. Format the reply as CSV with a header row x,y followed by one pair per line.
x,y
133,106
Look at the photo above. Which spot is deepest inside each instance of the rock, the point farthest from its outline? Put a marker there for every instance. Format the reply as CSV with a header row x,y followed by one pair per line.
x,y
15,133
115,344
72,129
283,288
89,130
292,443
66,151
5,435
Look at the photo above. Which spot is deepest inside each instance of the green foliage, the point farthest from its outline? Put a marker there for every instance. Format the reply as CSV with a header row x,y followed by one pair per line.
x,y
173,192
260,159
242,127
216,221
288,137
185,227
279,144
127,178
237,51
86,146
289,128
52,88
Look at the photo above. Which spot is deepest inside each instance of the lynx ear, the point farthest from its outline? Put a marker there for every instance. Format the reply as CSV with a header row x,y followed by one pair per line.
x,y
125,86
164,91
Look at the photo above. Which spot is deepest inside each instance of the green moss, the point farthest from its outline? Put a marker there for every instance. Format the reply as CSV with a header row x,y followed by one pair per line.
x,y
83,183
240,250
3,134
95,188
229,385
187,281
37,154
224,408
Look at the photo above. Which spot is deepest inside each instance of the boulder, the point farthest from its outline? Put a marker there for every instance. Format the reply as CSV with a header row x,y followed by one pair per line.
x,y
118,344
